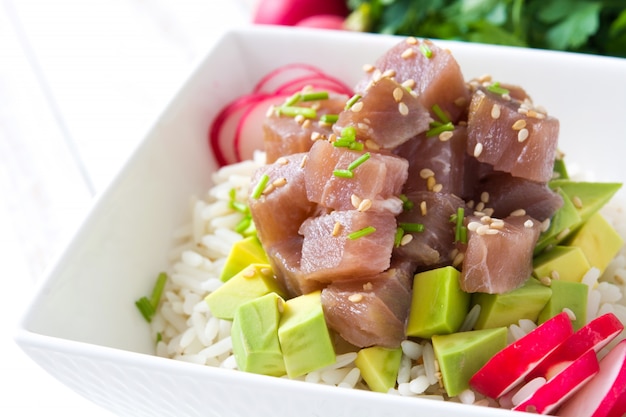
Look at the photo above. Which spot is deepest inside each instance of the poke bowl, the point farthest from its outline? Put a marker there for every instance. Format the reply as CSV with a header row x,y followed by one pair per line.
x,y
83,325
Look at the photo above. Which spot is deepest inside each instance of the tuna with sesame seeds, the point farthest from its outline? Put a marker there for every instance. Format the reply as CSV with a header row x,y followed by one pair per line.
x,y
434,73
521,140
498,256
386,113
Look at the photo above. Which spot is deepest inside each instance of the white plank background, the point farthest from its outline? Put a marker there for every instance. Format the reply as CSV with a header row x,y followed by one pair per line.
x,y
80,83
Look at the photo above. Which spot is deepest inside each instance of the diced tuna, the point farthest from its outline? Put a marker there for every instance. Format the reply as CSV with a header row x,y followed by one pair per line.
x,y
387,114
379,179
430,71
434,245
286,135
506,194
332,252
512,136
370,311
498,257
285,260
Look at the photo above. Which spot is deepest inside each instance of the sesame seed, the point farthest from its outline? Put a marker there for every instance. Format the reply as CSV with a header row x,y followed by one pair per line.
x,y
578,203
368,286
522,135
484,197
518,213
519,124
357,107
355,298
486,219
458,259
554,274
315,136
495,111
478,149
410,83
376,75
365,205
497,224
491,231
368,68
370,144
460,101
545,281
407,53
397,94
280,182
563,234
430,183
336,229
437,188
411,40
403,109
426,173
488,211
282,161
446,136
423,208
303,162
545,225
332,137
299,119
506,97
306,123
249,273
473,226
529,224
482,229
570,314
470,204
390,73
355,200
480,206
406,239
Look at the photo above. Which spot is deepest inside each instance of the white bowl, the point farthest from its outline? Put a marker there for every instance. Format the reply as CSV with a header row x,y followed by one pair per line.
x,y
82,325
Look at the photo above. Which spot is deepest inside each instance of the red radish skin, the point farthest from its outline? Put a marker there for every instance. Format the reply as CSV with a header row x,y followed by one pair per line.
x,y
509,366
290,12
605,394
593,336
561,386
323,21
275,79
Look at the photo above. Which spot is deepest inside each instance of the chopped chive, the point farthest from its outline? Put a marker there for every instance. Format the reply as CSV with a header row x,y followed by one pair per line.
x,y
243,224
348,133
157,291
356,146
260,187
443,117
426,51
352,100
329,118
406,203
412,227
145,307
315,95
343,173
159,337
357,162
361,233
496,89
460,231
342,143
397,239
293,111
435,130
290,101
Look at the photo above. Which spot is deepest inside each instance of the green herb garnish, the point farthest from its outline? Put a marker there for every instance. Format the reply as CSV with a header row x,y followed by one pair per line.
x,y
343,173
351,101
460,231
406,203
397,239
148,306
329,118
497,89
293,111
411,227
260,187
361,233
426,51
359,161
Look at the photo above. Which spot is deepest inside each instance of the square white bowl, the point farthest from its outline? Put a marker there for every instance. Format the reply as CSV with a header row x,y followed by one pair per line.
x,y
82,325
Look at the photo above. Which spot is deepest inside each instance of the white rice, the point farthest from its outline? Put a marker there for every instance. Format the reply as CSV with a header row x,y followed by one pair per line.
x,y
188,332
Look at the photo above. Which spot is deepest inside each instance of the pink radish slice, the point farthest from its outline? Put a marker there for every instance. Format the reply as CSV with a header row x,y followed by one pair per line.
x,y
224,127
249,133
278,77
323,21
605,394
593,336
507,368
318,82
571,378
290,12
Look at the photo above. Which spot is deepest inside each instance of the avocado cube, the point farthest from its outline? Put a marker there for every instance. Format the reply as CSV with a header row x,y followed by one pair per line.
x,y
379,367
565,294
438,305
254,335
252,282
562,223
303,335
461,355
598,240
569,262
525,302
588,197
243,253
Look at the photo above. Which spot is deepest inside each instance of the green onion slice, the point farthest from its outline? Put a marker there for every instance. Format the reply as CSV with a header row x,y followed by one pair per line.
x,y
293,111
496,89
437,128
397,239
361,233
426,51
329,118
260,187
352,100
443,117
411,227
343,173
460,231
359,161
314,95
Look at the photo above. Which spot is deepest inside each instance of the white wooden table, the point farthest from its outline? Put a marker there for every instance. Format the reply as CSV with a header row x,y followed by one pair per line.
x,y
80,83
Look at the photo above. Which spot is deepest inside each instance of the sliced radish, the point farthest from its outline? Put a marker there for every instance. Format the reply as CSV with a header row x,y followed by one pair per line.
x,y
570,377
249,133
323,21
277,78
290,12
318,82
605,394
509,366
593,336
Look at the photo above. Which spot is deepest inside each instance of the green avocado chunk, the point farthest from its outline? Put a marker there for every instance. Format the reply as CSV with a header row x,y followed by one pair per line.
x,y
252,282
598,240
379,367
438,306
254,336
572,295
563,221
588,197
569,263
461,355
243,253
304,337
525,302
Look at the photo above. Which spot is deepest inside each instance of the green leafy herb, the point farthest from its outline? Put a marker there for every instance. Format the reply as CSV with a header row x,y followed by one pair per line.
x,y
406,203
362,232
497,89
411,227
148,306
257,192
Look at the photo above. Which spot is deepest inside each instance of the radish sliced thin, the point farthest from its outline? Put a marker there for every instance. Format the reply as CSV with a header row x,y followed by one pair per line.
x,y
318,82
275,79
249,133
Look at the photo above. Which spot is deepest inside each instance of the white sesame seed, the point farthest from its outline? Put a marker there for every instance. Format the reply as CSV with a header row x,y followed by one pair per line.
x,y
411,40
357,107
368,286
518,212
519,124
554,274
279,182
484,197
365,205
430,183
368,68
522,135
306,123
472,226
397,94
563,234
423,208
403,109
390,73
478,149
410,83
355,298
495,111
406,239
491,231
545,281
407,53
480,206
446,136
529,224
458,259
355,200
437,188
282,161
336,229
578,203
370,144
569,313
426,173
315,136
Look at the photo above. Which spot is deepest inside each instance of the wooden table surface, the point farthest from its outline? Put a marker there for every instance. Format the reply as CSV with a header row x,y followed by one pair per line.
x,y
80,83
